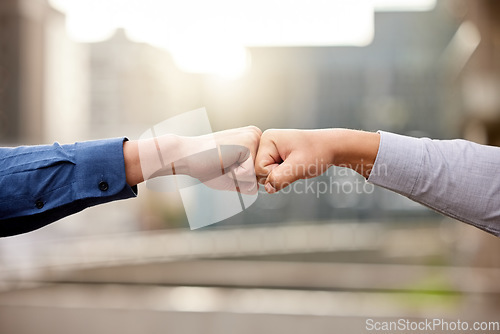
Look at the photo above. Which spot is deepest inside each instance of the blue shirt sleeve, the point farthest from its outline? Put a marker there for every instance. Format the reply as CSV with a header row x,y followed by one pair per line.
x,y
41,184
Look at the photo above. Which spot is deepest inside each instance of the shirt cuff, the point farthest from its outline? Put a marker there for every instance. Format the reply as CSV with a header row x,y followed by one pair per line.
x,y
100,171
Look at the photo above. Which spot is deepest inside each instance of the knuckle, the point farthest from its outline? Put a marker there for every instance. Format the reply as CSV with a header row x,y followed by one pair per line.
x,y
270,132
260,170
255,130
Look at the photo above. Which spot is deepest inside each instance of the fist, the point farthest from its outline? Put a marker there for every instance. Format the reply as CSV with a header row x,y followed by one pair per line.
x,y
285,156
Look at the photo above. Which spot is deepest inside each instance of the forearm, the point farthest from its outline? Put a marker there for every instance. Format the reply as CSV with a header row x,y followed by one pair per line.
x,y
133,170
285,156
148,158
41,184
161,156
454,177
200,157
355,149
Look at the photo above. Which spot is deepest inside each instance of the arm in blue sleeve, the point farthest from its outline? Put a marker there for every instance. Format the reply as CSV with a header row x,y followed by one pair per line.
x,y
41,184
457,178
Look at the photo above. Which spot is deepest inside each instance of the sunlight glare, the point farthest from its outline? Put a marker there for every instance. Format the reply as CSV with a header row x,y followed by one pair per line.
x,y
211,36
227,61
404,5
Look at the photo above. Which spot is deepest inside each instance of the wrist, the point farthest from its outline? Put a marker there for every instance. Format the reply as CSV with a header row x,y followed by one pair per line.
x,y
157,155
187,148
133,171
183,149
355,149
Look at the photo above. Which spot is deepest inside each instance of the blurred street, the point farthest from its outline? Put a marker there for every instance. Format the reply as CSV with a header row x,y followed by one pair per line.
x,y
293,278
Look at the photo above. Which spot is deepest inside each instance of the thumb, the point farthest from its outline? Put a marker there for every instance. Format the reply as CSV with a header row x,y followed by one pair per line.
x,y
283,175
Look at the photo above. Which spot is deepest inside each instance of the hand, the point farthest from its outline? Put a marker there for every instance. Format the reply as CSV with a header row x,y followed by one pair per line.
x,y
231,159
215,159
285,156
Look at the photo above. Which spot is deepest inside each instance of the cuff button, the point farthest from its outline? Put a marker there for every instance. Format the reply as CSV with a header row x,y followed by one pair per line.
x,y
103,186
39,204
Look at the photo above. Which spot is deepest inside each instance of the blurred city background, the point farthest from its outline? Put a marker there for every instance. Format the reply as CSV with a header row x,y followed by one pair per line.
x,y
75,70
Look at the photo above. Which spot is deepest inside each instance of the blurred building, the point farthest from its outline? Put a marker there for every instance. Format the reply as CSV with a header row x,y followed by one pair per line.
x,y
37,61
131,86
480,79
22,66
479,83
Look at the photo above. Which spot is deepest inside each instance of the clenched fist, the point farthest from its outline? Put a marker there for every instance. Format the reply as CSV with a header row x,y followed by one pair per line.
x,y
285,156
218,159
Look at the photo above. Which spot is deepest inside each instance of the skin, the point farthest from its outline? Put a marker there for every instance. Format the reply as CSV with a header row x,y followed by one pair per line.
x,y
191,156
133,171
281,156
285,156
